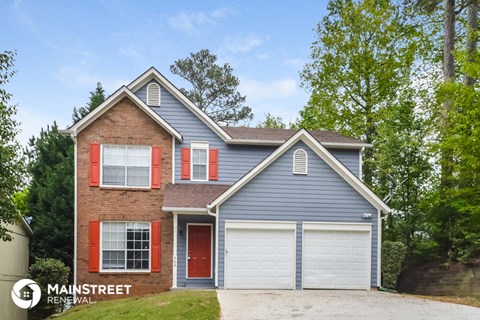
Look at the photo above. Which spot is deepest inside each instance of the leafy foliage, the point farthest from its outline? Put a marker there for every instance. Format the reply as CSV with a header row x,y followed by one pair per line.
x,y
12,167
97,97
272,122
393,254
44,272
456,210
361,60
214,87
51,197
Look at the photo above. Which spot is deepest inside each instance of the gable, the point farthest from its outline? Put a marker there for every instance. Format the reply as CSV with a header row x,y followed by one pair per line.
x,y
322,191
322,153
152,74
179,116
112,100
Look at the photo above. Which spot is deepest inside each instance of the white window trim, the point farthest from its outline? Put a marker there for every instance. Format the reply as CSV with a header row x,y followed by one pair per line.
x,y
102,185
294,162
152,84
199,145
126,270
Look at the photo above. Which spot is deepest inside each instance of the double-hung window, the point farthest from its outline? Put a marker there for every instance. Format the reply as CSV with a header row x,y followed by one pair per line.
x,y
125,246
126,166
199,161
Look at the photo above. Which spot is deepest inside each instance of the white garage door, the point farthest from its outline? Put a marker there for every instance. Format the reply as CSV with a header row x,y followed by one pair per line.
x,y
259,257
336,259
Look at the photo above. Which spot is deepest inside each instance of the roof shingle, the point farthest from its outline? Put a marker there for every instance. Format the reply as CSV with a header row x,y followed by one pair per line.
x,y
282,135
192,195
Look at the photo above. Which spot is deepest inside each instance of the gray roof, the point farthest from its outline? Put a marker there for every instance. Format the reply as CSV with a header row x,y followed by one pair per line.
x,y
183,195
281,135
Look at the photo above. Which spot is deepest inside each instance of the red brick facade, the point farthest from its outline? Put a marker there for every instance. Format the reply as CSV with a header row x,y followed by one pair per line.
x,y
124,124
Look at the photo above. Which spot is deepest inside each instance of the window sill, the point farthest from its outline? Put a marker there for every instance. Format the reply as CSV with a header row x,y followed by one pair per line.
x,y
125,189
126,273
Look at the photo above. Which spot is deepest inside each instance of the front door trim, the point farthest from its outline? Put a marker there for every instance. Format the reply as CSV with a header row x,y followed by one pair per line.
x,y
211,250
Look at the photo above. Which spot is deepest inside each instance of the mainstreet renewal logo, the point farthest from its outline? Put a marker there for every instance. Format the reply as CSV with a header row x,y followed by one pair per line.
x,y
23,298
26,293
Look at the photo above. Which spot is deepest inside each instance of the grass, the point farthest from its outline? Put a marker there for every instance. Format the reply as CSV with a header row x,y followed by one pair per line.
x,y
167,305
473,301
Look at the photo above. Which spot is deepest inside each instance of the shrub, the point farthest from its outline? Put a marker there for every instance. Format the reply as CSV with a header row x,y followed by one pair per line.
x,y
393,254
44,272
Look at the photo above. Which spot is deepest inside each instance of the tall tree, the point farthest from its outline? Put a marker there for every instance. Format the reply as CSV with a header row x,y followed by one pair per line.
x,y
214,87
11,161
472,39
97,97
51,195
448,78
402,158
361,59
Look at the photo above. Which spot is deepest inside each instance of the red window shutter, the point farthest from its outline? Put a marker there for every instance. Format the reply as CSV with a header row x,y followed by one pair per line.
x,y
156,251
156,166
94,246
186,163
94,165
213,165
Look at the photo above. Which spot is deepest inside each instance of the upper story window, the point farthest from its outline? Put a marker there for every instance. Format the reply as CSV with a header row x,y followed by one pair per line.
x,y
126,166
199,161
125,246
153,94
300,162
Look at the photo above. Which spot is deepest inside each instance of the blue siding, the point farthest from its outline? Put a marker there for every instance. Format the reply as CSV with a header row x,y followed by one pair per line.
x,y
182,253
349,157
277,194
234,160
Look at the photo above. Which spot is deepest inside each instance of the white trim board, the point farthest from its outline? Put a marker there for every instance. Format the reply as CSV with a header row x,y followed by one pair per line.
x,y
324,154
153,73
337,226
111,101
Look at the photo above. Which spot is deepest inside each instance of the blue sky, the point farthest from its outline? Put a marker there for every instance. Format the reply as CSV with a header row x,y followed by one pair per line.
x,y
65,47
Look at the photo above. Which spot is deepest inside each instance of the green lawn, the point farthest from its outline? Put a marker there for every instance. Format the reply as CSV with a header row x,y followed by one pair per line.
x,y
167,305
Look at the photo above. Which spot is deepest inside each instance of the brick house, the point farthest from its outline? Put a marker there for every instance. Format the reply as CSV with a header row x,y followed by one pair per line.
x,y
167,198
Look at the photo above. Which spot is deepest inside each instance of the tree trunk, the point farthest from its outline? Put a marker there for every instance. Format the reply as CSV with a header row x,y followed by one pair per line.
x,y
472,36
448,77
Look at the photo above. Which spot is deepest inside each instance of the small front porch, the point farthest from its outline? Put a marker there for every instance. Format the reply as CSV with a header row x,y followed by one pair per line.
x,y
194,233
195,254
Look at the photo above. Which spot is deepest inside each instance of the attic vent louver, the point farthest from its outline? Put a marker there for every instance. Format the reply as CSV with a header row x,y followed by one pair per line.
x,y
153,95
300,162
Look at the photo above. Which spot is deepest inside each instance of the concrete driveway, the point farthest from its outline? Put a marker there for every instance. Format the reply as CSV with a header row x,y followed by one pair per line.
x,y
338,305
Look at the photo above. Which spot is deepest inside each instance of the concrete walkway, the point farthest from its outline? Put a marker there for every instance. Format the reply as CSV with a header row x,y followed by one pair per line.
x,y
338,305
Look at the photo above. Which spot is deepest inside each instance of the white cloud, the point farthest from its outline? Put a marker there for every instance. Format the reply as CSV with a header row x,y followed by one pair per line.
x,y
263,57
32,120
75,76
132,53
294,62
280,97
78,76
190,22
242,43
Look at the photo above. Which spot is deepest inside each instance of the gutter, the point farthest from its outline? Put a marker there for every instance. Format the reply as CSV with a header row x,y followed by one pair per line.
x,y
333,145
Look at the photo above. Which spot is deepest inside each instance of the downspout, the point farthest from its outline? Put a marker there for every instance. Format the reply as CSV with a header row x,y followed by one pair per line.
x,y
216,215
73,135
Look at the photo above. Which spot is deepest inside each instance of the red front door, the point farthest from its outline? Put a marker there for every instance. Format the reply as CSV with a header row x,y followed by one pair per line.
x,y
199,251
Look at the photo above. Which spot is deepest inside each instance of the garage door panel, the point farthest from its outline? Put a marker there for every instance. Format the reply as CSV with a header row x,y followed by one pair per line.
x,y
336,259
260,259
